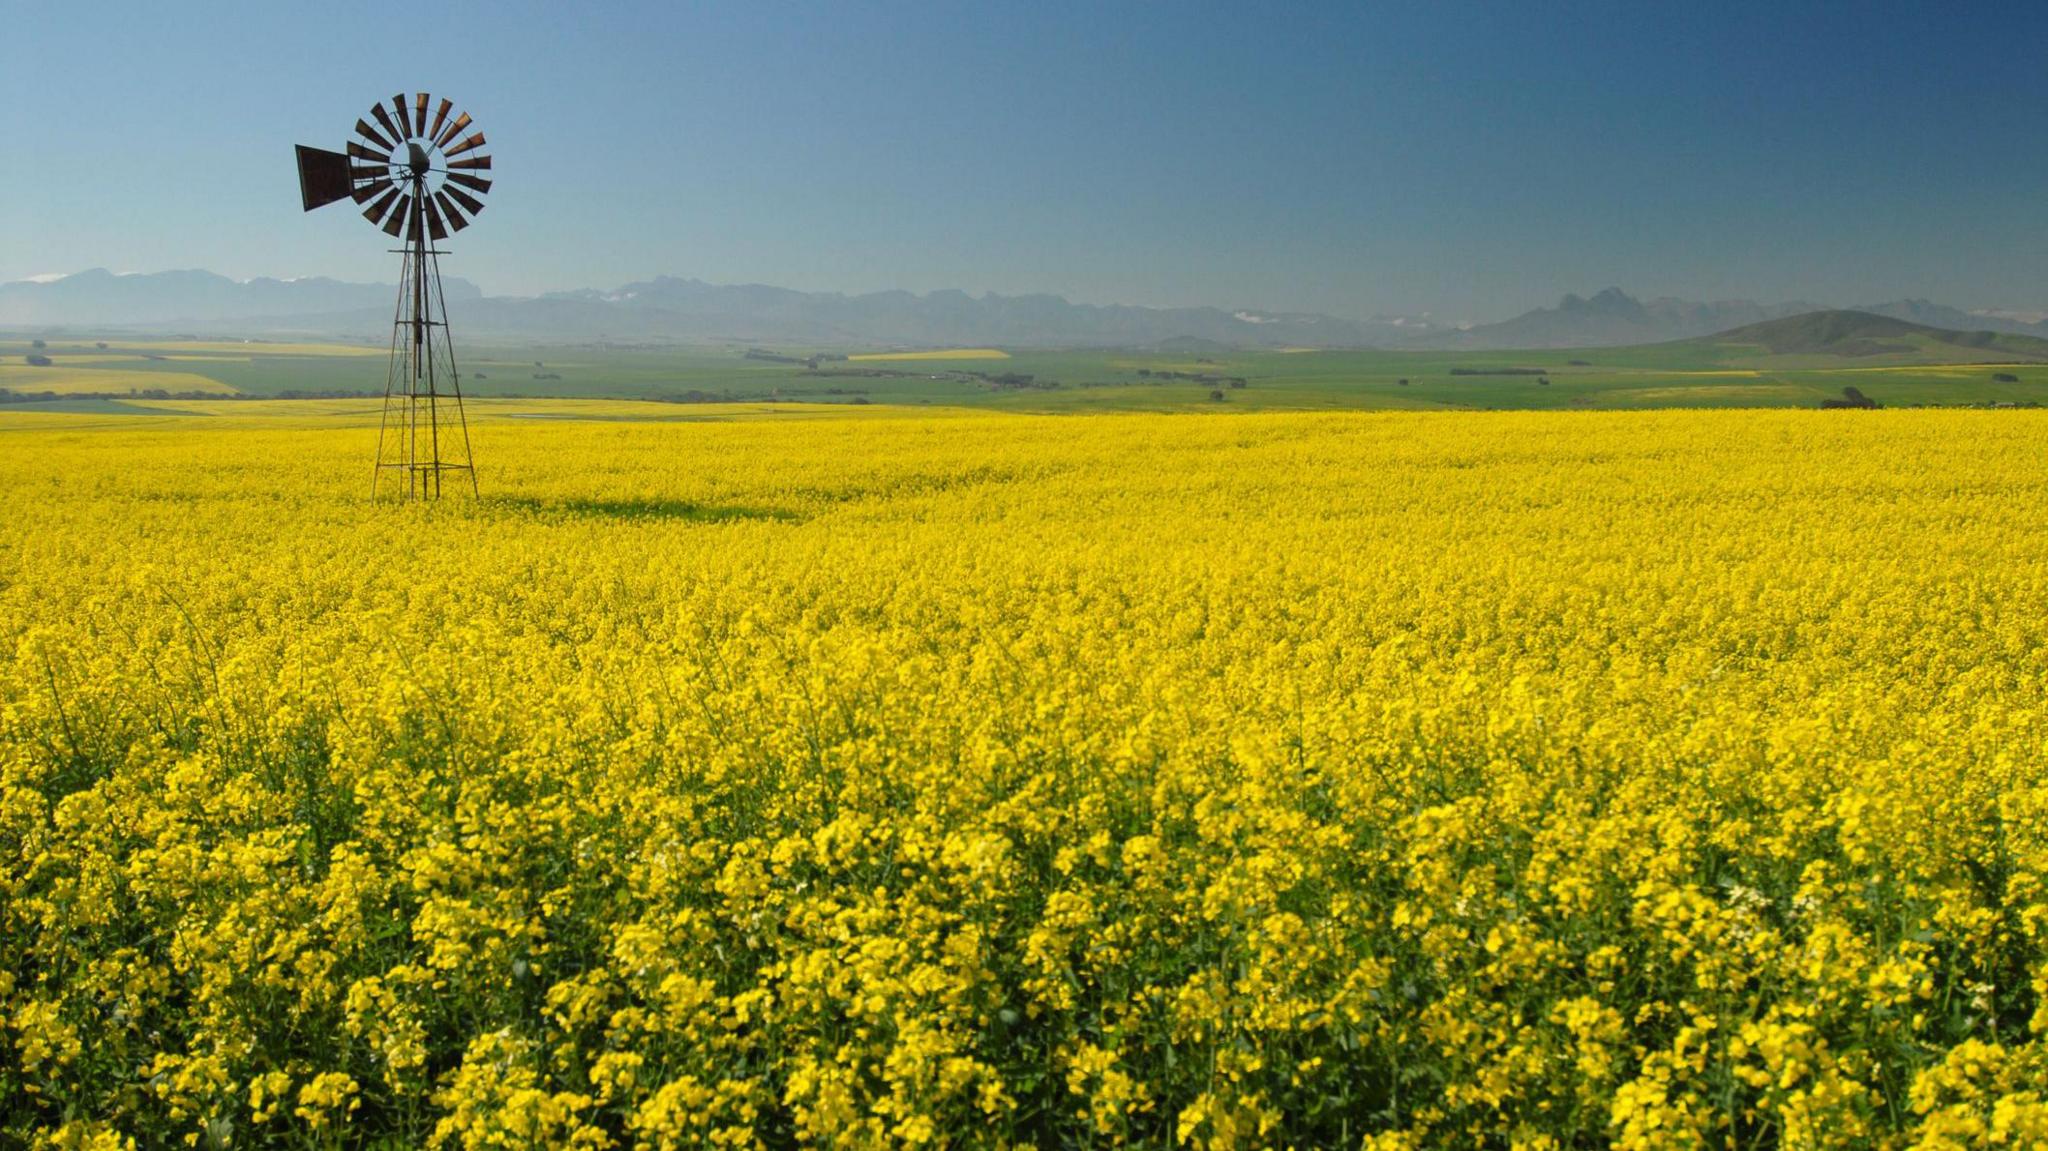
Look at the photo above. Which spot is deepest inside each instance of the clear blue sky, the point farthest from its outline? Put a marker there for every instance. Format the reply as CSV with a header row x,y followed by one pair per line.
x,y
1470,160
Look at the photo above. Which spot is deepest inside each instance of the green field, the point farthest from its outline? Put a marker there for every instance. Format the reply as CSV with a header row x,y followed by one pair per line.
x,y
1797,363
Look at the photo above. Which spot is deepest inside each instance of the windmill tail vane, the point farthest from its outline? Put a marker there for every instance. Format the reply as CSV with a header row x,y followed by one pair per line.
x,y
420,174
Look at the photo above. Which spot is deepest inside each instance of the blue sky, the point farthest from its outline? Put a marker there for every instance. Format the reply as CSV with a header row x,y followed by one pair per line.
x,y
1468,160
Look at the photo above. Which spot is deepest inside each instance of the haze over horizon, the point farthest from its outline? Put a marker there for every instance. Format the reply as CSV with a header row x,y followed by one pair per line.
x,y
1466,161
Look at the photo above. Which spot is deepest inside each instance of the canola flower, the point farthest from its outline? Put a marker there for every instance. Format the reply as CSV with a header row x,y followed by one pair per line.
x,y
1663,780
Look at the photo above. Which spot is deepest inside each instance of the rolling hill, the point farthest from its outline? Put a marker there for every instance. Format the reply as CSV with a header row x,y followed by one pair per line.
x,y
1864,335
1612,318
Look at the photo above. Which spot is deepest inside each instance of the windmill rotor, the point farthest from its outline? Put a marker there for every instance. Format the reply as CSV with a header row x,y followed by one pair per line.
x,y
415,146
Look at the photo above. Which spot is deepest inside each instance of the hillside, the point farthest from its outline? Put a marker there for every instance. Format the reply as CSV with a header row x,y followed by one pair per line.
x,y
1859,335
1612,318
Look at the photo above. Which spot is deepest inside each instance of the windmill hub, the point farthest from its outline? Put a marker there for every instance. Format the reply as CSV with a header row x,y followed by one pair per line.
x,y
420,178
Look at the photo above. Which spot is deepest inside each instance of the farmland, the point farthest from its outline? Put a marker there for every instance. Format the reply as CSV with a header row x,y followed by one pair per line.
x,y
936,354
792,772
102,378
1803,370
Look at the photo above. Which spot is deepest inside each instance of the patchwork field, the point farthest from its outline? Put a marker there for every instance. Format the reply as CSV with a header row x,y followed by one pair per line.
x,y
1690,374
781,774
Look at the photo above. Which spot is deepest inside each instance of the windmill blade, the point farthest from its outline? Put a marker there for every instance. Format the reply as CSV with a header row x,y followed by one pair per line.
x,y
395,223
470,182
364,130
392,130
455,219
412,222
404,120
365,154
375,212
474,142
473,164
364,193
469,202
440,116
419,114
359,173
461,122
435,229
323,176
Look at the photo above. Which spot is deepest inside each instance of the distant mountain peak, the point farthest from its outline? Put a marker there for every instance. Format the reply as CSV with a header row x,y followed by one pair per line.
x,y
1605,302
1611,317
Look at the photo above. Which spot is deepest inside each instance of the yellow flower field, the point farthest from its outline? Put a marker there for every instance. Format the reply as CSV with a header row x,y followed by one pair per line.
x,y
61,380
1364,780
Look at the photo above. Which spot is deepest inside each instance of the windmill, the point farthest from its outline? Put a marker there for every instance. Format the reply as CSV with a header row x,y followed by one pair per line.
x,y
419,180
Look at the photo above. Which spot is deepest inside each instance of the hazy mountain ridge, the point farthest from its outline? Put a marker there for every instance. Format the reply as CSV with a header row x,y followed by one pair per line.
x,y
1613,318
669,308
191,296
950,316
1933,315
684,310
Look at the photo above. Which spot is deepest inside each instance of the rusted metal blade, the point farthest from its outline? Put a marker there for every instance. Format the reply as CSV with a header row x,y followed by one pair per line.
x,y
419,114
390,129
435,228
359,174
471,182
412,222
375,212
470,145
469,202
404,120
364,130
455,219
364,193
365,154
439,117
461,122
473,164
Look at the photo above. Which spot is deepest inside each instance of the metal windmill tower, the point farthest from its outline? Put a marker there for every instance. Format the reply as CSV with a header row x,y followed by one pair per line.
x,y
418,180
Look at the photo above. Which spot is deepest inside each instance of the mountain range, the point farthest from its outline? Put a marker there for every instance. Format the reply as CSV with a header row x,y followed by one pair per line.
x,y
663,309
671,309
103,297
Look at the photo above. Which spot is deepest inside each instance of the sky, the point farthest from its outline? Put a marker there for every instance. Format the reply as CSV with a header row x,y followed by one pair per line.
x,y
1462,160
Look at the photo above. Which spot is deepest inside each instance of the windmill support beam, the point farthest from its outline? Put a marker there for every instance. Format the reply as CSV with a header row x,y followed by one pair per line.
x,y
414,451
